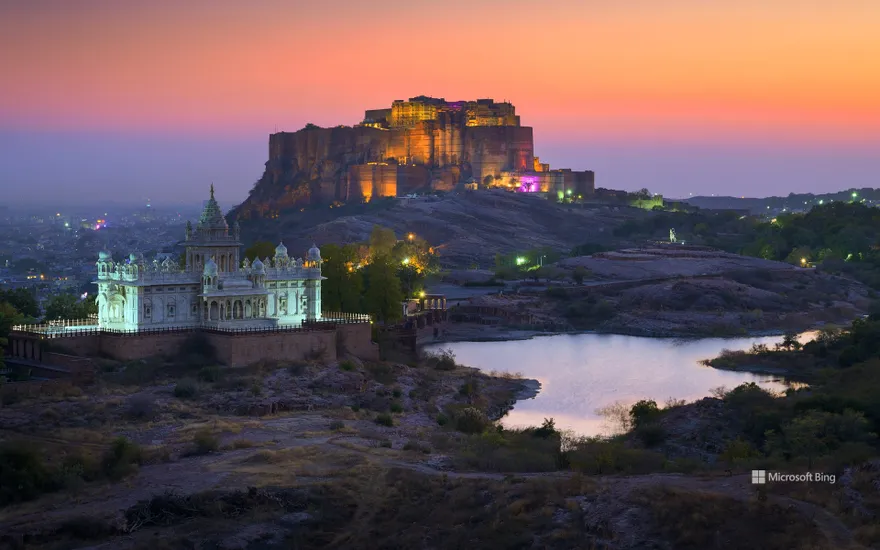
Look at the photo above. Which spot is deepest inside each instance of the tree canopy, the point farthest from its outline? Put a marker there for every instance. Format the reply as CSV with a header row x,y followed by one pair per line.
x,y
69,307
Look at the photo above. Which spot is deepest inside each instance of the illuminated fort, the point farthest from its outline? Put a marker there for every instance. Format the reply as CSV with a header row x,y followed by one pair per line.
x,y
417,145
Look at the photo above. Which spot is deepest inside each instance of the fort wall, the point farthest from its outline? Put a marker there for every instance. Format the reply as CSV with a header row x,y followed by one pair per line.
x,y
72,353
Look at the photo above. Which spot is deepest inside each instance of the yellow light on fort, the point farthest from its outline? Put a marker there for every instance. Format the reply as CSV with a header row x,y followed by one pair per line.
x,y
411,236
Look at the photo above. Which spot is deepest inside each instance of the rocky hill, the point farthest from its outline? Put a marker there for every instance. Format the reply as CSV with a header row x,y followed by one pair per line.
x,y
466,228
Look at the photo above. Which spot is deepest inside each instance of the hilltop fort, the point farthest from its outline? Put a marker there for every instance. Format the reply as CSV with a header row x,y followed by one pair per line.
x,y
419,145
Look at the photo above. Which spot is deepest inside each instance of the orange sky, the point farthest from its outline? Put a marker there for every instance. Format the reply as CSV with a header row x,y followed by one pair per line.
x,y
798,70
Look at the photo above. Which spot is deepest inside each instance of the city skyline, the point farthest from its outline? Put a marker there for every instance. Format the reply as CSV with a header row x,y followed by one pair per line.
x,y
117,99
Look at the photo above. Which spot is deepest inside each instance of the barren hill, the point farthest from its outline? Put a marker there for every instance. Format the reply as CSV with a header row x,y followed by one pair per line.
x,y
466,228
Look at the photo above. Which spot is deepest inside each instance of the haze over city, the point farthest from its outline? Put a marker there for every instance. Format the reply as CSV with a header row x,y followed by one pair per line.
x,y
128,101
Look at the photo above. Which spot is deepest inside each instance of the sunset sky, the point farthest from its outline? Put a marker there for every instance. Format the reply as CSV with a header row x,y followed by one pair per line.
x,y
158,99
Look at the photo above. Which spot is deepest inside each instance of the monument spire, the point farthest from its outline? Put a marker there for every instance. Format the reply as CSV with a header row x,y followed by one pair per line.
x,y
212,190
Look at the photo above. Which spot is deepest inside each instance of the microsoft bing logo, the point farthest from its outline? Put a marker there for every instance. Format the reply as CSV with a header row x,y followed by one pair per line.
x,y
759,477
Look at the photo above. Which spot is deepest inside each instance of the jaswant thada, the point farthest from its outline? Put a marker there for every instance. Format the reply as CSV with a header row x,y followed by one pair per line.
x,y
213,288
242,312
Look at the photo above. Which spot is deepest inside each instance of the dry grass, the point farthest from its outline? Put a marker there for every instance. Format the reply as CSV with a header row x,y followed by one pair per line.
x,y
284,467
506,375
697,520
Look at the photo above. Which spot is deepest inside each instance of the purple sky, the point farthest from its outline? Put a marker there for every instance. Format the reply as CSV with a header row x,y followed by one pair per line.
x,y
135,100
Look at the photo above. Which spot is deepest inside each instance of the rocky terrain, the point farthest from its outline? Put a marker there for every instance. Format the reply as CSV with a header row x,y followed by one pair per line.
x,y
295,456
678,291
466,228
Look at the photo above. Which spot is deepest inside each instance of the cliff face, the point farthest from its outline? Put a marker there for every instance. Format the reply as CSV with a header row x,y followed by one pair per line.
x,y
322,165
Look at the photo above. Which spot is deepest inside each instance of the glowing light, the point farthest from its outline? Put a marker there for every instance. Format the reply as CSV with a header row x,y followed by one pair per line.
x,y
821,201
568,192
422,294
803,261
411,236
520,260
406,261
529,184
855,195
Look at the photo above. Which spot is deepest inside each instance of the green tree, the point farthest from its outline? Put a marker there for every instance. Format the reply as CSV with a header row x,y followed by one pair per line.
x,y
8,317
342,289
68,307
383,296
411,281
579,274
261,250
382,241
22,300
644,412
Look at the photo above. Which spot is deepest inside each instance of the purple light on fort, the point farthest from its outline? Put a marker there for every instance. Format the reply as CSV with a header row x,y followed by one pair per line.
x,y
529,184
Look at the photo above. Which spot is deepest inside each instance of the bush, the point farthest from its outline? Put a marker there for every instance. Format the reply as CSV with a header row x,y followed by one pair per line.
x,y
122,459
556,292
141,407
644,412
511,451
651,435
396,408
23,475
205,443
597,456
471,421
337,425
413,445
210,374
397,393
443,360
384,419
470,388
382,372
442,419
347,365
355,408
186,389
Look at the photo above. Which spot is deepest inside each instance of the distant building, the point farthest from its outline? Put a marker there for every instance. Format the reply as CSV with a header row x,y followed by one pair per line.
x,y
418,145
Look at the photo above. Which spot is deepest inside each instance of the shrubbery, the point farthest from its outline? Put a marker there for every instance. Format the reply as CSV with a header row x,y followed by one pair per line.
x,y
186,389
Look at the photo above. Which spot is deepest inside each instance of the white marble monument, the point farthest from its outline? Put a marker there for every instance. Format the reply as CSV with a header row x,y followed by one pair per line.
x,y
214,289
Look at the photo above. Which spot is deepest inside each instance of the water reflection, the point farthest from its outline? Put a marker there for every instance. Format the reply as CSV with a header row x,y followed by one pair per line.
x,y
581,373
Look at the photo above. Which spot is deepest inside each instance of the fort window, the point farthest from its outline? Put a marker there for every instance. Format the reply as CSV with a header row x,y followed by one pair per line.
x,y
171,310
148,311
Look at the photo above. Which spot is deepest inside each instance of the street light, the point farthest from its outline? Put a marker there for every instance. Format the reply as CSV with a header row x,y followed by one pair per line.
x,y
411,236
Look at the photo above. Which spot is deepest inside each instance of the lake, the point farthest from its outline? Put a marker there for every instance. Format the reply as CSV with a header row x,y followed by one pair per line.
x,y
580,373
